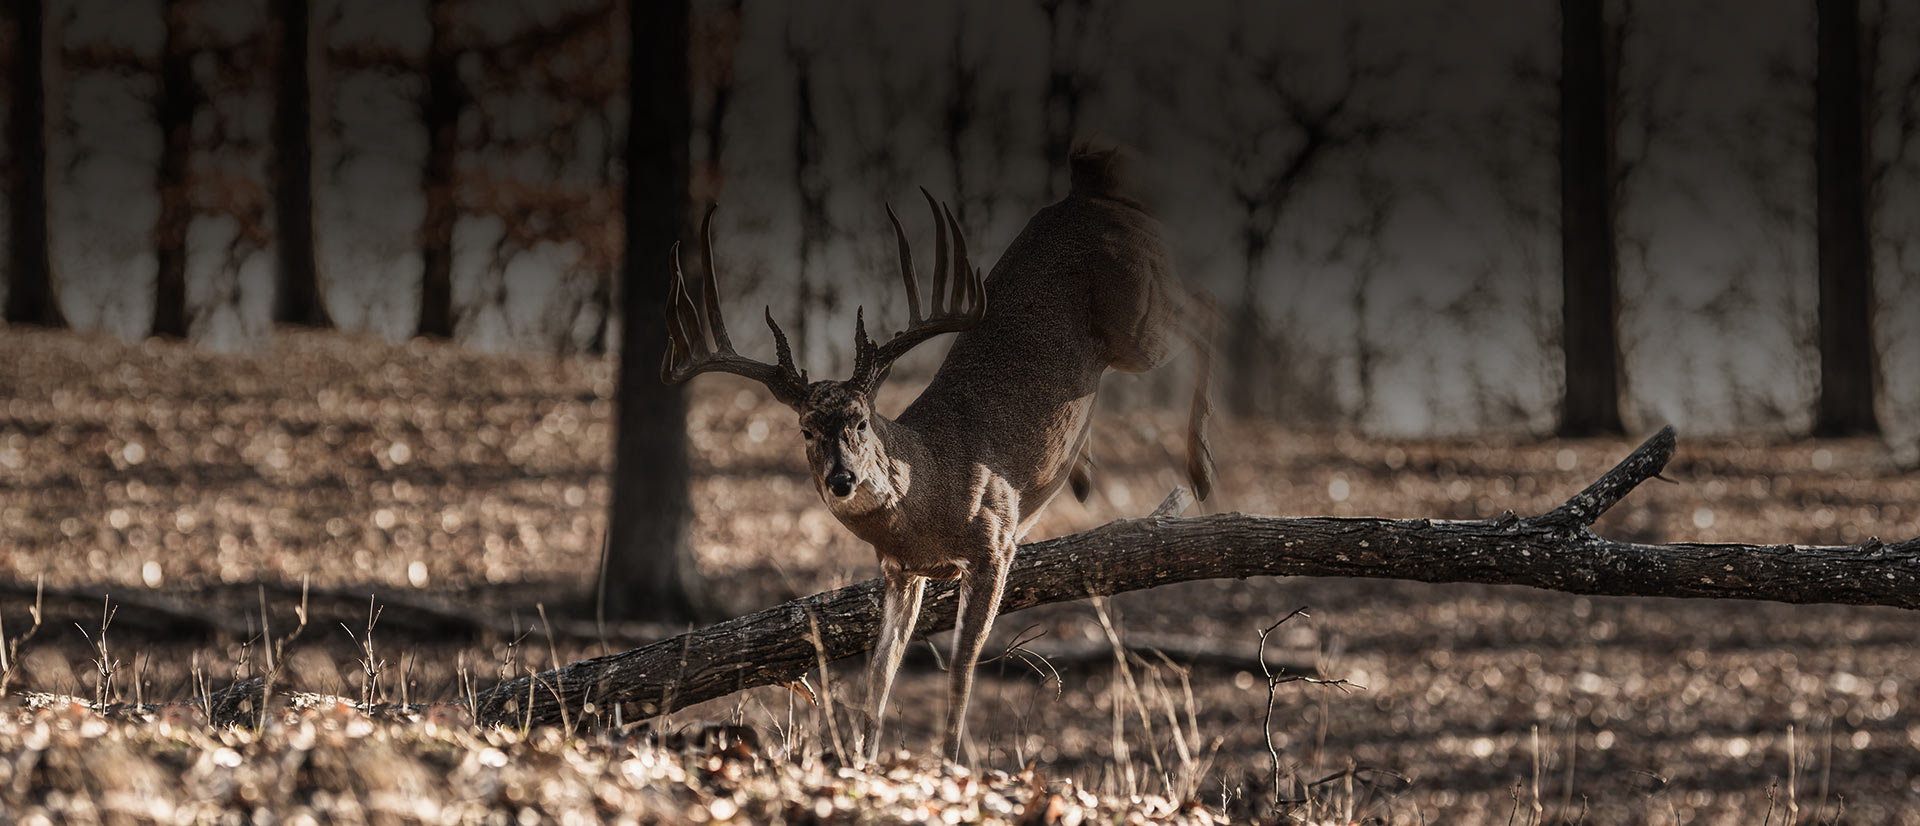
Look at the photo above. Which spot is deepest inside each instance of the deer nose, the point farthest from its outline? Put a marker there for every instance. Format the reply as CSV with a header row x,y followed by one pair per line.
x,y
841,483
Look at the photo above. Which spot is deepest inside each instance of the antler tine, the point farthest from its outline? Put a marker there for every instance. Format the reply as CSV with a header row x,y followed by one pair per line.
x,y
906,268
939,256
953,309
784,351
863,348
689,352
678,338
710,292
966,288
686,315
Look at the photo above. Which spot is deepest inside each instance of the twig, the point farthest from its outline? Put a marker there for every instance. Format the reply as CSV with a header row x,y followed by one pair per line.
x,y
526,720
564,724
1273,753
105,666
599,601
202,690
1126,678
662,720
466,683
1355,774
370,665
1573,758
10,652
276,649
1017,649
826,688
553,663
1538,811
1193,769
1826,771
1793,776
266,628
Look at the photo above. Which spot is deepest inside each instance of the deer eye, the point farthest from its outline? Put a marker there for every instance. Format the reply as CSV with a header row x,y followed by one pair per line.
x,y
862,426
806,434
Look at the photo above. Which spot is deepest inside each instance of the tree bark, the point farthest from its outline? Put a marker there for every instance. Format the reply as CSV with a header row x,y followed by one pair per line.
x,y
445,98
179,100
30,294
1847,364
298,298
1555,550
1589,299
649,566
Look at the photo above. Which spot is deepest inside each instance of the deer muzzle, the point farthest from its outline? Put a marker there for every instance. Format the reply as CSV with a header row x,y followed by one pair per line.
x,y
840,482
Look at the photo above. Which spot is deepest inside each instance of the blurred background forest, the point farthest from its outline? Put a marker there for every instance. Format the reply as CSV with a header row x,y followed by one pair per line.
x,y
1376,190
334,293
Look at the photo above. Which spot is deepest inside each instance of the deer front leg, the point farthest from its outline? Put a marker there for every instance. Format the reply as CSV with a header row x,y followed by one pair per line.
x,y
898,611
980,592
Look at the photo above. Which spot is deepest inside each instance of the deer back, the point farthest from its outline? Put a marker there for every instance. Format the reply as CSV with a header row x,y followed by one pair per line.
x,y
1087,285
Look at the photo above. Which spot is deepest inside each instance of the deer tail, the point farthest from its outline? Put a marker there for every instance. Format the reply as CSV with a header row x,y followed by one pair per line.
x,y
1097,172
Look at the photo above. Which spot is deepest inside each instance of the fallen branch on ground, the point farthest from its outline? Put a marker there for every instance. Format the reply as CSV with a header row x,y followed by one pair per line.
x,y
1554,550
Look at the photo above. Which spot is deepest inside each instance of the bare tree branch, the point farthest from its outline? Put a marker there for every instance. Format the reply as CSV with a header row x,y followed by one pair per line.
x,y
1555,550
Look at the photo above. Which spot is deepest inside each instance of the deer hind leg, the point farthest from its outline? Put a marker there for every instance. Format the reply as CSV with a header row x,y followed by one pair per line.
x,y
1203,314
980,593
1080,476
900,608
1142,329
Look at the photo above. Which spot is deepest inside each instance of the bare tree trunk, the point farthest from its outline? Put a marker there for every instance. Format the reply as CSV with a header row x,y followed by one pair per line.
x,y
1590,297
445,98
963,99
31,298
1065,86
179,100
1847,363
718,43
649,566
1246,346
814,224
1554,550
298,298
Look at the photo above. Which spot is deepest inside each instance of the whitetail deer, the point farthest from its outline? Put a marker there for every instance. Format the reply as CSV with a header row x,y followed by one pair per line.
x,y
947,489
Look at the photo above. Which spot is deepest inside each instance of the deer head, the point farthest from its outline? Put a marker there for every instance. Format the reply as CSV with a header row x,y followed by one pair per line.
x,y
846,441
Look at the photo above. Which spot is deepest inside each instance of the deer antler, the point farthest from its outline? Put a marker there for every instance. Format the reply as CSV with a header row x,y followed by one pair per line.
x,y
688,329
949,313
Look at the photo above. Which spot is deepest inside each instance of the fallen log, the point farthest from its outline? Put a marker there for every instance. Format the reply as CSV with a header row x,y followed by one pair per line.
x,y
1554,550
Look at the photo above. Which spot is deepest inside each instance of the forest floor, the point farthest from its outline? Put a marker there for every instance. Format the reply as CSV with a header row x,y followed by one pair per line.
x,y
195,496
